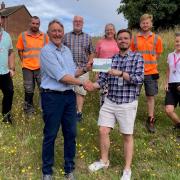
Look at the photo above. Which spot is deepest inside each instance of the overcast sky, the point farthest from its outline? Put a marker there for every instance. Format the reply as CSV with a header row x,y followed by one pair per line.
x,y
96,13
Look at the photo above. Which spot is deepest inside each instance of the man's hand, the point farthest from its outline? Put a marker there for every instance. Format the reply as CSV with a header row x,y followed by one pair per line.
x,y
12,72
166,88
115,72
88,85
89,66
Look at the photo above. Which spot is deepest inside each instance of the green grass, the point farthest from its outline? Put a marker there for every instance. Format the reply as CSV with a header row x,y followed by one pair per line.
x,y
157,156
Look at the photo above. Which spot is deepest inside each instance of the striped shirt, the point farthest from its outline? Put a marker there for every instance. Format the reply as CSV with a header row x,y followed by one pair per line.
x,y
80,46
127,91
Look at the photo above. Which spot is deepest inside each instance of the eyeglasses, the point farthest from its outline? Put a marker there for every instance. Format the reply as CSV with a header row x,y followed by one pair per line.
x,y
76,21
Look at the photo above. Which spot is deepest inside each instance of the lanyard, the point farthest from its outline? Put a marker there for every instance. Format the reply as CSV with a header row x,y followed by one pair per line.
x,y
176,61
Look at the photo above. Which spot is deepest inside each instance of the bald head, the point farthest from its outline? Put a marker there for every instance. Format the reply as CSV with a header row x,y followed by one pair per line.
x,y
78,18
78,24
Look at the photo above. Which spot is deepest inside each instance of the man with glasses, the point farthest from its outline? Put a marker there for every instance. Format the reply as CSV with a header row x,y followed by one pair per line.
x,y
82,50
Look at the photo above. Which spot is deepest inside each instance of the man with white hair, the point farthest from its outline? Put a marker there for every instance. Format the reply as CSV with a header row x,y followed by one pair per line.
x,y
80,44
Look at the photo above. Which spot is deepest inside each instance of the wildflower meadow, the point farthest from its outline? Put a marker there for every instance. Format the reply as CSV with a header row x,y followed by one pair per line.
x,y
156,156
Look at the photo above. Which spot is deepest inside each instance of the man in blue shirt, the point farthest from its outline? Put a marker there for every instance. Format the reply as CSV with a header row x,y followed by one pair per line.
x,y
124,79
7,71
59,75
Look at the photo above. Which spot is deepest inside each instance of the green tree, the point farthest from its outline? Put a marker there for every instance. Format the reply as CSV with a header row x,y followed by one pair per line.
x,y
166,13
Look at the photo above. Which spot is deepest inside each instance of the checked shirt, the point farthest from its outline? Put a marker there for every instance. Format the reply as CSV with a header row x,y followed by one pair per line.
x,y
128,91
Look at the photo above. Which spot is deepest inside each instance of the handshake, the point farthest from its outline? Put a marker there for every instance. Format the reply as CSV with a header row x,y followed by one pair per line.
x,y
90,86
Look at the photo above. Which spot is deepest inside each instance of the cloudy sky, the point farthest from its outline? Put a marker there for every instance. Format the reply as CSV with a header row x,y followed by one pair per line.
x,y
96,13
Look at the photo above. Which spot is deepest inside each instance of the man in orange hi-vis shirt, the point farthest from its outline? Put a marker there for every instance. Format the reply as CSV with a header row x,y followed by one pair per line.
x,y
150,46
29,45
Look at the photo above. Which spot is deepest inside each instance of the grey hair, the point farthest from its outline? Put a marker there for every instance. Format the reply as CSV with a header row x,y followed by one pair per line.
x,y
110,24
55,21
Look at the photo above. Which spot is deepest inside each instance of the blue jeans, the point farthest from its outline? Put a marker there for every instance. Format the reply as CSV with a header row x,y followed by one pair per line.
x,y
59,109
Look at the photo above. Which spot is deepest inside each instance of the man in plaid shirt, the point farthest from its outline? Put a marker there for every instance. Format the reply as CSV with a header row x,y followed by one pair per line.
x,y
124,79
80,44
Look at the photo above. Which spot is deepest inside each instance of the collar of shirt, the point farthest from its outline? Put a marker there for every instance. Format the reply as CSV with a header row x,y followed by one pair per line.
x,y
54,47
73,32
126,55
142,34
177,54
29,33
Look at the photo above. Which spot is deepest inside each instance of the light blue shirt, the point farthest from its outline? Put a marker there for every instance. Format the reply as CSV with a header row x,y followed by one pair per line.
x,y
55,63
5,46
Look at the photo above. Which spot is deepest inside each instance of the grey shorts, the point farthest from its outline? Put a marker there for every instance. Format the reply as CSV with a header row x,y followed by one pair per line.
x,y
150,85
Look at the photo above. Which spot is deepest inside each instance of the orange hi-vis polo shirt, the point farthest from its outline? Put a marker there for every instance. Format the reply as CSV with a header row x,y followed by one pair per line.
x,y
31,45
149,47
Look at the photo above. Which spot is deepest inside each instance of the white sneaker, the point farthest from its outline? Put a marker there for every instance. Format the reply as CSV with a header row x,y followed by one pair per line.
x,y
126,175
98,165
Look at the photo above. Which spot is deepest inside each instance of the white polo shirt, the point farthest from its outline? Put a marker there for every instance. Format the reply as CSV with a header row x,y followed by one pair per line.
x,y
174,67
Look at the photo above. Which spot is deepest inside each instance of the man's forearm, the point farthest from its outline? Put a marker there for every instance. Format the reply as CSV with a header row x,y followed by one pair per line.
x,y
96,85
68,79
91,56
81,71
11,60
158,56
20,53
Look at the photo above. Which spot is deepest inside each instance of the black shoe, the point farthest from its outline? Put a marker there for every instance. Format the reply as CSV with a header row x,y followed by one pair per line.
x,y
178,139
7,118
46,177
79,116
176,126
150,124
28,108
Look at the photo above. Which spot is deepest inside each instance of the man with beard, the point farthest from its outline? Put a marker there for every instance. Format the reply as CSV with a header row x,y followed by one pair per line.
x,y
150,46
121,103
7,71
29,45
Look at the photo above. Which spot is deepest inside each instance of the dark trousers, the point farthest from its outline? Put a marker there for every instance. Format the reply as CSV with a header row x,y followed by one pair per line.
x,y
6,85
30,77
58,109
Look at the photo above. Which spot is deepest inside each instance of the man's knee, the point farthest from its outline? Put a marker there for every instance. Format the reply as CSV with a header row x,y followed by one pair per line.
x,y
150,98
29,88
169,110
128,137
104,131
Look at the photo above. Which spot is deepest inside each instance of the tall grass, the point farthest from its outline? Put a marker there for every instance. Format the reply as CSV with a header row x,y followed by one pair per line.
x,y
157,156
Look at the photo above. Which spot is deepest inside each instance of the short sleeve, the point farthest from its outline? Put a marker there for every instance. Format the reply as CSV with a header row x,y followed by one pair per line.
x,y
10,42
98,48
19,44
91,48
168,58
132,47
159,46
47,39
